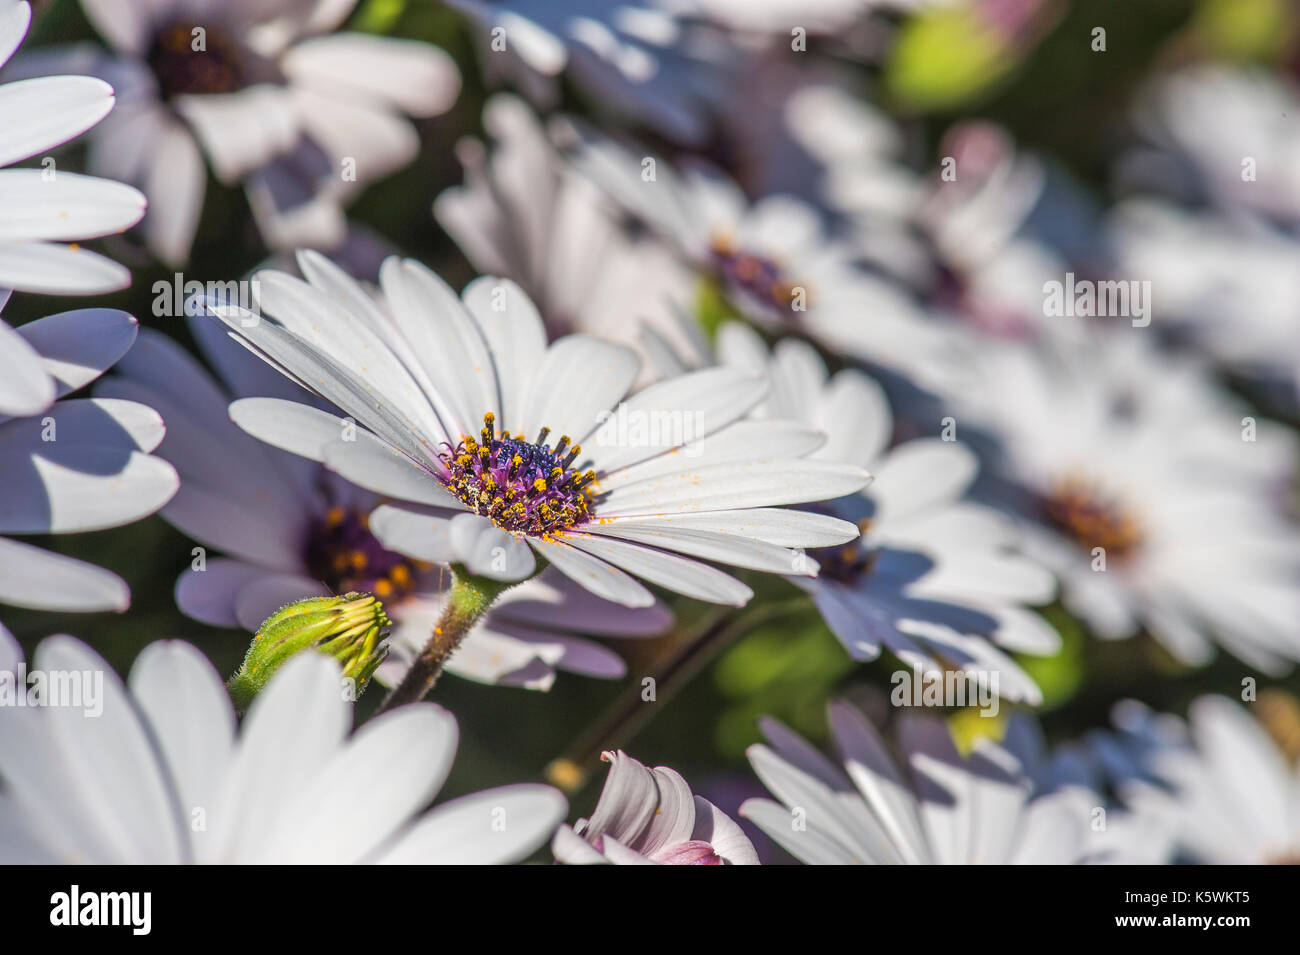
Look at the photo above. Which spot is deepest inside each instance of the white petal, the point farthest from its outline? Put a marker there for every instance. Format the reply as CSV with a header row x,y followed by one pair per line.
x,y
292,730
489,551
703,402
390,768
61,486
732,486
15,18
77,347
43,581
921,474
371,464
602,579
493,827
58,269
176,183
209,595
579,377
192,719
516,337
731,549
37,115
113,762
678,574
784,527
415,533
416,77
241,131
291,425
25,388
66,208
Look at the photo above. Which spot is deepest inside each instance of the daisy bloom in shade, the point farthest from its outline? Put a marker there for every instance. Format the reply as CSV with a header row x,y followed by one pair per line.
x,y
76,464
469,411
773,260
157,773
1194,122
1231,797
649,817
1223,283
40,209
632,59
523,213
938,807
1157,500
935,578
291,529
268,93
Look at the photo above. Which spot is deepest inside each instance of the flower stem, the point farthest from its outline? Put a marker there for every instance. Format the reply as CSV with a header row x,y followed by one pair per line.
x,y
468,600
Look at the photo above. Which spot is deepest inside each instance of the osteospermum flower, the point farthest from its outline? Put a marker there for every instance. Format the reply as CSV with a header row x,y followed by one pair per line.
x,y
633,57
649,817
1155,499
154,772
42,208
773,260
1231,797
468,410
525,214
935,577
76,464
269,94
1222,283
1186,157
292,529
938,807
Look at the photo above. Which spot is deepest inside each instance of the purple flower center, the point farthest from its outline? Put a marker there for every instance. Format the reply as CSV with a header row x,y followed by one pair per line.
x,y
523,486
755,276
189,58
345,556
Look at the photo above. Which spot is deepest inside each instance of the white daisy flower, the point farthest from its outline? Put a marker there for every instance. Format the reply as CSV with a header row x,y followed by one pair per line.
x,y
935,578
649,817
523,213
1155,499
1223,284
1210,124
293,529
77,464
269,94
161,776
939,807
773,260
41,209
857,169
469,410
1232,797
1118,832
632,59
760,17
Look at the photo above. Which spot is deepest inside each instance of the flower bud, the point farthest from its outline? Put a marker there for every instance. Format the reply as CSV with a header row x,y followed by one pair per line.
x,y
351,628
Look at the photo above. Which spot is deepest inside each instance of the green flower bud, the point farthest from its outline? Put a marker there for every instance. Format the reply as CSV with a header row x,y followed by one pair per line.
x,y
352,629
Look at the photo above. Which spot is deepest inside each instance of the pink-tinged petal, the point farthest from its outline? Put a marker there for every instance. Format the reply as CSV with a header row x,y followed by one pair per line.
x,y
674,819
693,852
715,827
628,801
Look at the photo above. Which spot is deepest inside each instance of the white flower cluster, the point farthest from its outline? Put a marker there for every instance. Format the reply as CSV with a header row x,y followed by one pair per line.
x,y
717,349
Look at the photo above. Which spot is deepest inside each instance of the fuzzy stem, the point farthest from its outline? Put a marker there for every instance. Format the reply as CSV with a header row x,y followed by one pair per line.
x,y
469,599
